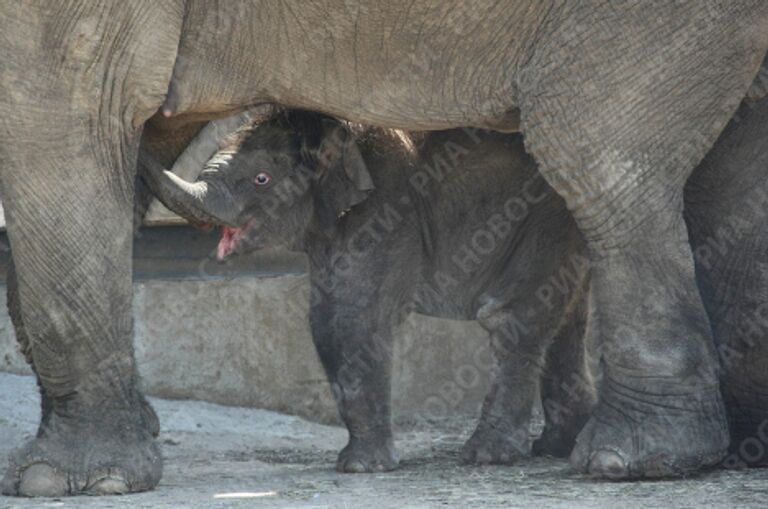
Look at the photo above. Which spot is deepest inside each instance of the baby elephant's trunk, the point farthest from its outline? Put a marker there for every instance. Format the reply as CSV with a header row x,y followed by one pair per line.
x,y
200,202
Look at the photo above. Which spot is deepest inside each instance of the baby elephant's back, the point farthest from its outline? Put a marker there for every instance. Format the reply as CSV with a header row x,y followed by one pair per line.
x,y
473,163
470,177
490,216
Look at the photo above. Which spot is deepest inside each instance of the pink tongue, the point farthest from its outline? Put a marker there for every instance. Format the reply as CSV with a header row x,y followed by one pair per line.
x,y
228,242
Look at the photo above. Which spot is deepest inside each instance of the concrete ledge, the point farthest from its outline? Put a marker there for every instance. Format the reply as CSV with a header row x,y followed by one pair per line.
x,y
245,341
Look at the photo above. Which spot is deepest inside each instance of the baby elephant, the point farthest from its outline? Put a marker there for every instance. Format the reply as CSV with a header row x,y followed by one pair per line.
x,y
455,224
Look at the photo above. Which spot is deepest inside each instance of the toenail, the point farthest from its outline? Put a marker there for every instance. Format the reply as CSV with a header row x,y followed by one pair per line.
x,y
109,485
607,464
42,480
354,467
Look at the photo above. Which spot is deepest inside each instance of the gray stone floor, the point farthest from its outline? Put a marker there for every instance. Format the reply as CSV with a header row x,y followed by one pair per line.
x,y
220,456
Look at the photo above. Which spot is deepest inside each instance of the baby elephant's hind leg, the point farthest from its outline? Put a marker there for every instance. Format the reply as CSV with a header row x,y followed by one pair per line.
x,y
569,390
506,431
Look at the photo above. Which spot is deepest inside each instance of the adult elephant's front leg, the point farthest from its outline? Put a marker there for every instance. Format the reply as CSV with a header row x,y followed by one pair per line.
x,y
74,89
617,127
74,287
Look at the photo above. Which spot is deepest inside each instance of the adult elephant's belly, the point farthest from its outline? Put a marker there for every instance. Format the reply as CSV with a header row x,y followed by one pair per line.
x,y
437,67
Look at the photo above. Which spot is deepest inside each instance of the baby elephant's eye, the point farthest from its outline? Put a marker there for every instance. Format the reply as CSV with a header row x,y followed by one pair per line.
x,y
262,179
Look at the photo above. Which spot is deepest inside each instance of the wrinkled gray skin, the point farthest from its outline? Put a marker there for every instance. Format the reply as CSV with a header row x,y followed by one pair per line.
x,y
420,243
726,208
441,235
618,103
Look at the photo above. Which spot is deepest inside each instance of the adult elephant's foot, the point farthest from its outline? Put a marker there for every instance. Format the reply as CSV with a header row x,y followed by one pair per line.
x,y
365,456
489,445
651,433
93,459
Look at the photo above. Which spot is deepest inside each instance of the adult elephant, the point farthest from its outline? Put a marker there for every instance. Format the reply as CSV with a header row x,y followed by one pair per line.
x,y
618,102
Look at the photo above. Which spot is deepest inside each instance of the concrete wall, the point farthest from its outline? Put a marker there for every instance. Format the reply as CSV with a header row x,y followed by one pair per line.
x,y
245,341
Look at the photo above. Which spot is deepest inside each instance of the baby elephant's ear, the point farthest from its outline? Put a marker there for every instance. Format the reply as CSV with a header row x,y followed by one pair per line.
x,y
344,180
355,167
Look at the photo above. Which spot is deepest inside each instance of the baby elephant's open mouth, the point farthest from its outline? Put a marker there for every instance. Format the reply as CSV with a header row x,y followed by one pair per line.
x,y
238,240
230,238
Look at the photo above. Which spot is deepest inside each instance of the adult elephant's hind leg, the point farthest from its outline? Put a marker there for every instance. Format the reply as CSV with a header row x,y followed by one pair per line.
x,y
74,88
617,127
659,411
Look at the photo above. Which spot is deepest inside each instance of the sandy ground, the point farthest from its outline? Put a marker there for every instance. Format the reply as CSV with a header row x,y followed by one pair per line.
x,y
218,456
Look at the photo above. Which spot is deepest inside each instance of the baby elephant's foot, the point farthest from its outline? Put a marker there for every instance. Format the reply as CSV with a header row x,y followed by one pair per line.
x,y
489,445
365,456
560,434
97,459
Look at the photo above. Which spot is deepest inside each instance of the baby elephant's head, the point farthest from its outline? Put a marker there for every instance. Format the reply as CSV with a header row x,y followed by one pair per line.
x,y
272,181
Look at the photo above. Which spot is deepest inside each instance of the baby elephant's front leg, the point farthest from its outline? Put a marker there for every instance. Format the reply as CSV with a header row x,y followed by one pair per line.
x,y
356,352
